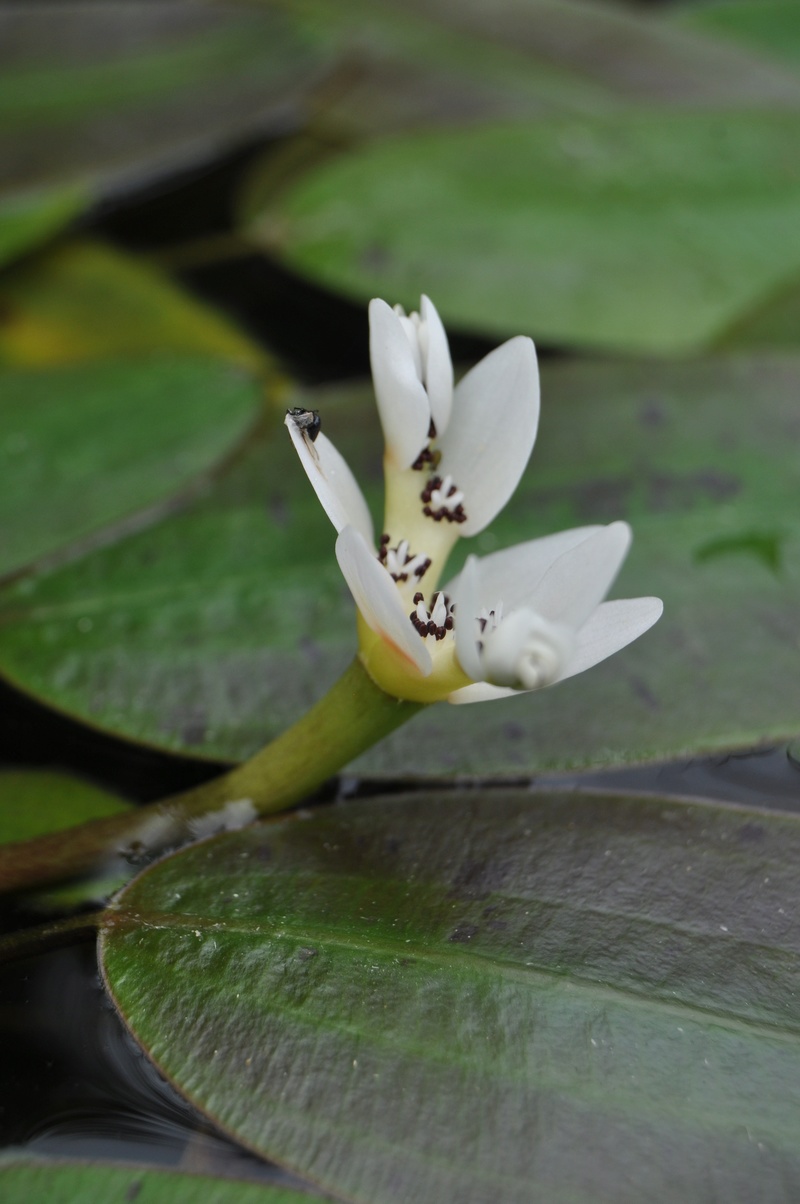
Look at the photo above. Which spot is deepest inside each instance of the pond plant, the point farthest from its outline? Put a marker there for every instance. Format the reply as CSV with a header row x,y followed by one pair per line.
x,y
387,863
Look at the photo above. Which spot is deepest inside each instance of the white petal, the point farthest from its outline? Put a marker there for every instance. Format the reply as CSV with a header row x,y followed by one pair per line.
x,y
402,401
438,366
481,691
467,609
511,575
612,626
526,651
492,430
334,483
577,582
378,598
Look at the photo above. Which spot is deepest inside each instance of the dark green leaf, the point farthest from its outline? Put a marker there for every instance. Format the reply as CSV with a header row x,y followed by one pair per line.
x,y
645,231
114,98
456,62
33,802
485,995
26,1182
218,627
84,446
30,219
762,25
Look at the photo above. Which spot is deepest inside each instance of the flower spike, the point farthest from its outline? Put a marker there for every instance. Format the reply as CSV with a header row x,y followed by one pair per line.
x,y
517,620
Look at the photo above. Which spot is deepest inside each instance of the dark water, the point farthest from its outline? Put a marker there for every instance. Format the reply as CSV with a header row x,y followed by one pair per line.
x,y
74,1084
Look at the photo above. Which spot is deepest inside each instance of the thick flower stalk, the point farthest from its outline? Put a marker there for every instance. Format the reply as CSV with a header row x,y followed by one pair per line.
x,y
514,621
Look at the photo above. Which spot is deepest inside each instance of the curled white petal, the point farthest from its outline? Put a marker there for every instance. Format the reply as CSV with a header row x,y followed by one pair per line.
x,y
512,574
576,583
333,482
378,599
402,401
437,365
492,430
613,626
525,651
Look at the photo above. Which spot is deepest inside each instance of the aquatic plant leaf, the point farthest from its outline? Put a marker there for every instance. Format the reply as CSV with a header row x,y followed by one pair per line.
x,y
139,89
27,220
484,995
85,300
87,445
447,62
22,1181
644,231
767,26
214,629
36,801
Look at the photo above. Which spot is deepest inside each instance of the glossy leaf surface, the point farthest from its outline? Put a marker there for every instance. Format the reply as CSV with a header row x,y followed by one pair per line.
x,y
63,1183
644,232
221,625
484,995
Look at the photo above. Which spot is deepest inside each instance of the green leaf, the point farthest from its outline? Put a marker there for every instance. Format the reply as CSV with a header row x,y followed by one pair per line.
x,y
641,232
484,995
83,300
763,25
140,87
218,627
34,802
22,1182
86,446
455,62
28,220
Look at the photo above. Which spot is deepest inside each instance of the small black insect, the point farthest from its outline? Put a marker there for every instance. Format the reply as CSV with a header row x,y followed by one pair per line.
x,y
306,421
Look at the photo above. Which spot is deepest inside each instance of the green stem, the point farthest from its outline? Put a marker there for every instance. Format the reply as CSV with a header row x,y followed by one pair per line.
x,y
352,716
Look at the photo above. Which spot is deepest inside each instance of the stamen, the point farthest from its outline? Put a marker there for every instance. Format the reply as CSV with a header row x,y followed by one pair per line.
x,y
491,619
436,622
442,499
399,562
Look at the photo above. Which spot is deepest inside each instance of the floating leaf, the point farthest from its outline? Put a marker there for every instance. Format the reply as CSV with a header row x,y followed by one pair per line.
x,y
484,995
765,25
34,802
460,62
84,300
74,1183
138,88
28,220
221,625
642,231
86,446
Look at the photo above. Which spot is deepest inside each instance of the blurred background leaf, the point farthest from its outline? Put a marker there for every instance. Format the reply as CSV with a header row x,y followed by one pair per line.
x,y
100,98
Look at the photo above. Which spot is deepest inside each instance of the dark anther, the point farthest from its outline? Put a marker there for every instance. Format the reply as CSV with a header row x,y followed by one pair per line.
x,y
385,538
432,430
418,597
449,623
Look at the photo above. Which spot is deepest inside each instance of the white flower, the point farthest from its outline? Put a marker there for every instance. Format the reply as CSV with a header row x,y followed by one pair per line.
x,y
517,620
